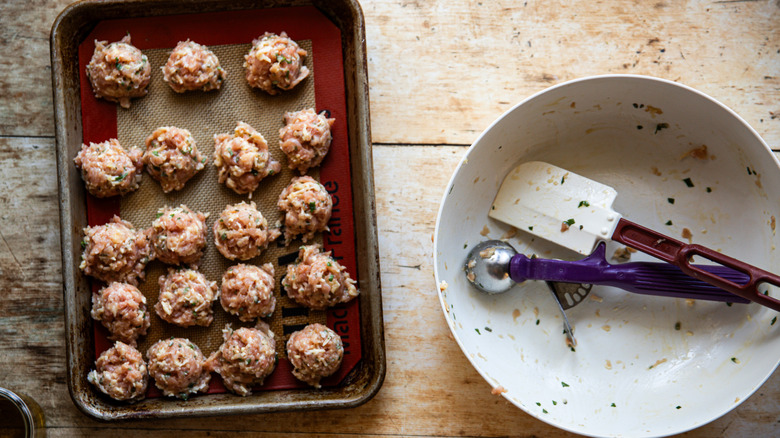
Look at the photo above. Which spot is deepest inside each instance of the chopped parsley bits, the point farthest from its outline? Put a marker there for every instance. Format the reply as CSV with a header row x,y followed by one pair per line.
x,y
564,384
774,320
677,326
531,228
678,407
668,223
735,360
688,182
488,329
569,222
660,126
583,204
544,411
670,200
477,330
709,189
613,405
312,206
120,177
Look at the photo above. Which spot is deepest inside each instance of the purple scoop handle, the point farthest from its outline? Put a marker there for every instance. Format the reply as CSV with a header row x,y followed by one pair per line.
x,y
648,278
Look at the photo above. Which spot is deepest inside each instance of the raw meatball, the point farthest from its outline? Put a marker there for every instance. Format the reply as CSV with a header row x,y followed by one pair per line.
x,y
248,291
305,138
185,298
172,157
242,159
116,252
120,373
316,280
177,367
245,359
118,71
108,169
179,235
274,63
192,67
121,308
241,232
314,352
306,206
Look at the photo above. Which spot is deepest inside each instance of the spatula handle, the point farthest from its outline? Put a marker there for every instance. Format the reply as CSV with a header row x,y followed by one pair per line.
x,y
679,253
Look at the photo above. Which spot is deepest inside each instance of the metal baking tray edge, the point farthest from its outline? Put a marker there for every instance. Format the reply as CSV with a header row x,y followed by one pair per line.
x,y
68,30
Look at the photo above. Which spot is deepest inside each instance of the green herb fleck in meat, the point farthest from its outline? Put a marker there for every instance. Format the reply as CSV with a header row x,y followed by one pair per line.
x,y
121,177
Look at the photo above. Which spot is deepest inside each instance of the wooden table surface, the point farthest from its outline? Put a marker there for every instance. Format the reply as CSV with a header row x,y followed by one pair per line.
x,y
440,72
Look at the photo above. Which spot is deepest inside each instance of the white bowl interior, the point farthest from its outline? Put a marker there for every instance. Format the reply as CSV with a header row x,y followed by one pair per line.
x,y
643,366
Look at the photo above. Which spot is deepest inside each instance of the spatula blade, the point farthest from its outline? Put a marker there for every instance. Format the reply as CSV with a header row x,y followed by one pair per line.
x,y
557,205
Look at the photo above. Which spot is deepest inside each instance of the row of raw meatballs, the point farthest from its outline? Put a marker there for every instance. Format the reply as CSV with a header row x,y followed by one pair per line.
x,y
172,157
119,71
316,280
246,357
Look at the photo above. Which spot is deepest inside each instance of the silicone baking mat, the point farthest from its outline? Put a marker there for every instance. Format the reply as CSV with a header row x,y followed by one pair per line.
x,y
229,36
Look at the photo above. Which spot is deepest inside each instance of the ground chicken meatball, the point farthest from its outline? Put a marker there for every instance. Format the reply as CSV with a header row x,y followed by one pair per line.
x,y
120,373
314,352
248,291
305,138
179,235
241,232
316,280
306,206
242,159
192,66
116,252
185,298
172,157
177,367
108,169
274,63
118,71
121,308
245,359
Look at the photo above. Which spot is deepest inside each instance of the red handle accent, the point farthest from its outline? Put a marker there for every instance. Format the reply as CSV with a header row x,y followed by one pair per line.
x,y
679,254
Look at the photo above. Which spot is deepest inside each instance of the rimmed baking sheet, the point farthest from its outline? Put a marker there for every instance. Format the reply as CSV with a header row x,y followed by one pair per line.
x,y
206,114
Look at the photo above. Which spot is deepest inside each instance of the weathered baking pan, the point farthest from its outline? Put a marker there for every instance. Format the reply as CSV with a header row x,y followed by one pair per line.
x,y
340,86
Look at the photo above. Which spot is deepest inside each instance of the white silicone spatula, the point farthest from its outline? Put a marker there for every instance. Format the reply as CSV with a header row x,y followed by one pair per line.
x,y
576,212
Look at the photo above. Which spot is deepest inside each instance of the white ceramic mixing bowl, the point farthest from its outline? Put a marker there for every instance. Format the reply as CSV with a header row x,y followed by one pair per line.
x,y
643,366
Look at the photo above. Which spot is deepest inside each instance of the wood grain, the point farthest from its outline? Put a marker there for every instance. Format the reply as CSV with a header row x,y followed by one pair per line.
x,y
440,73
25,70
